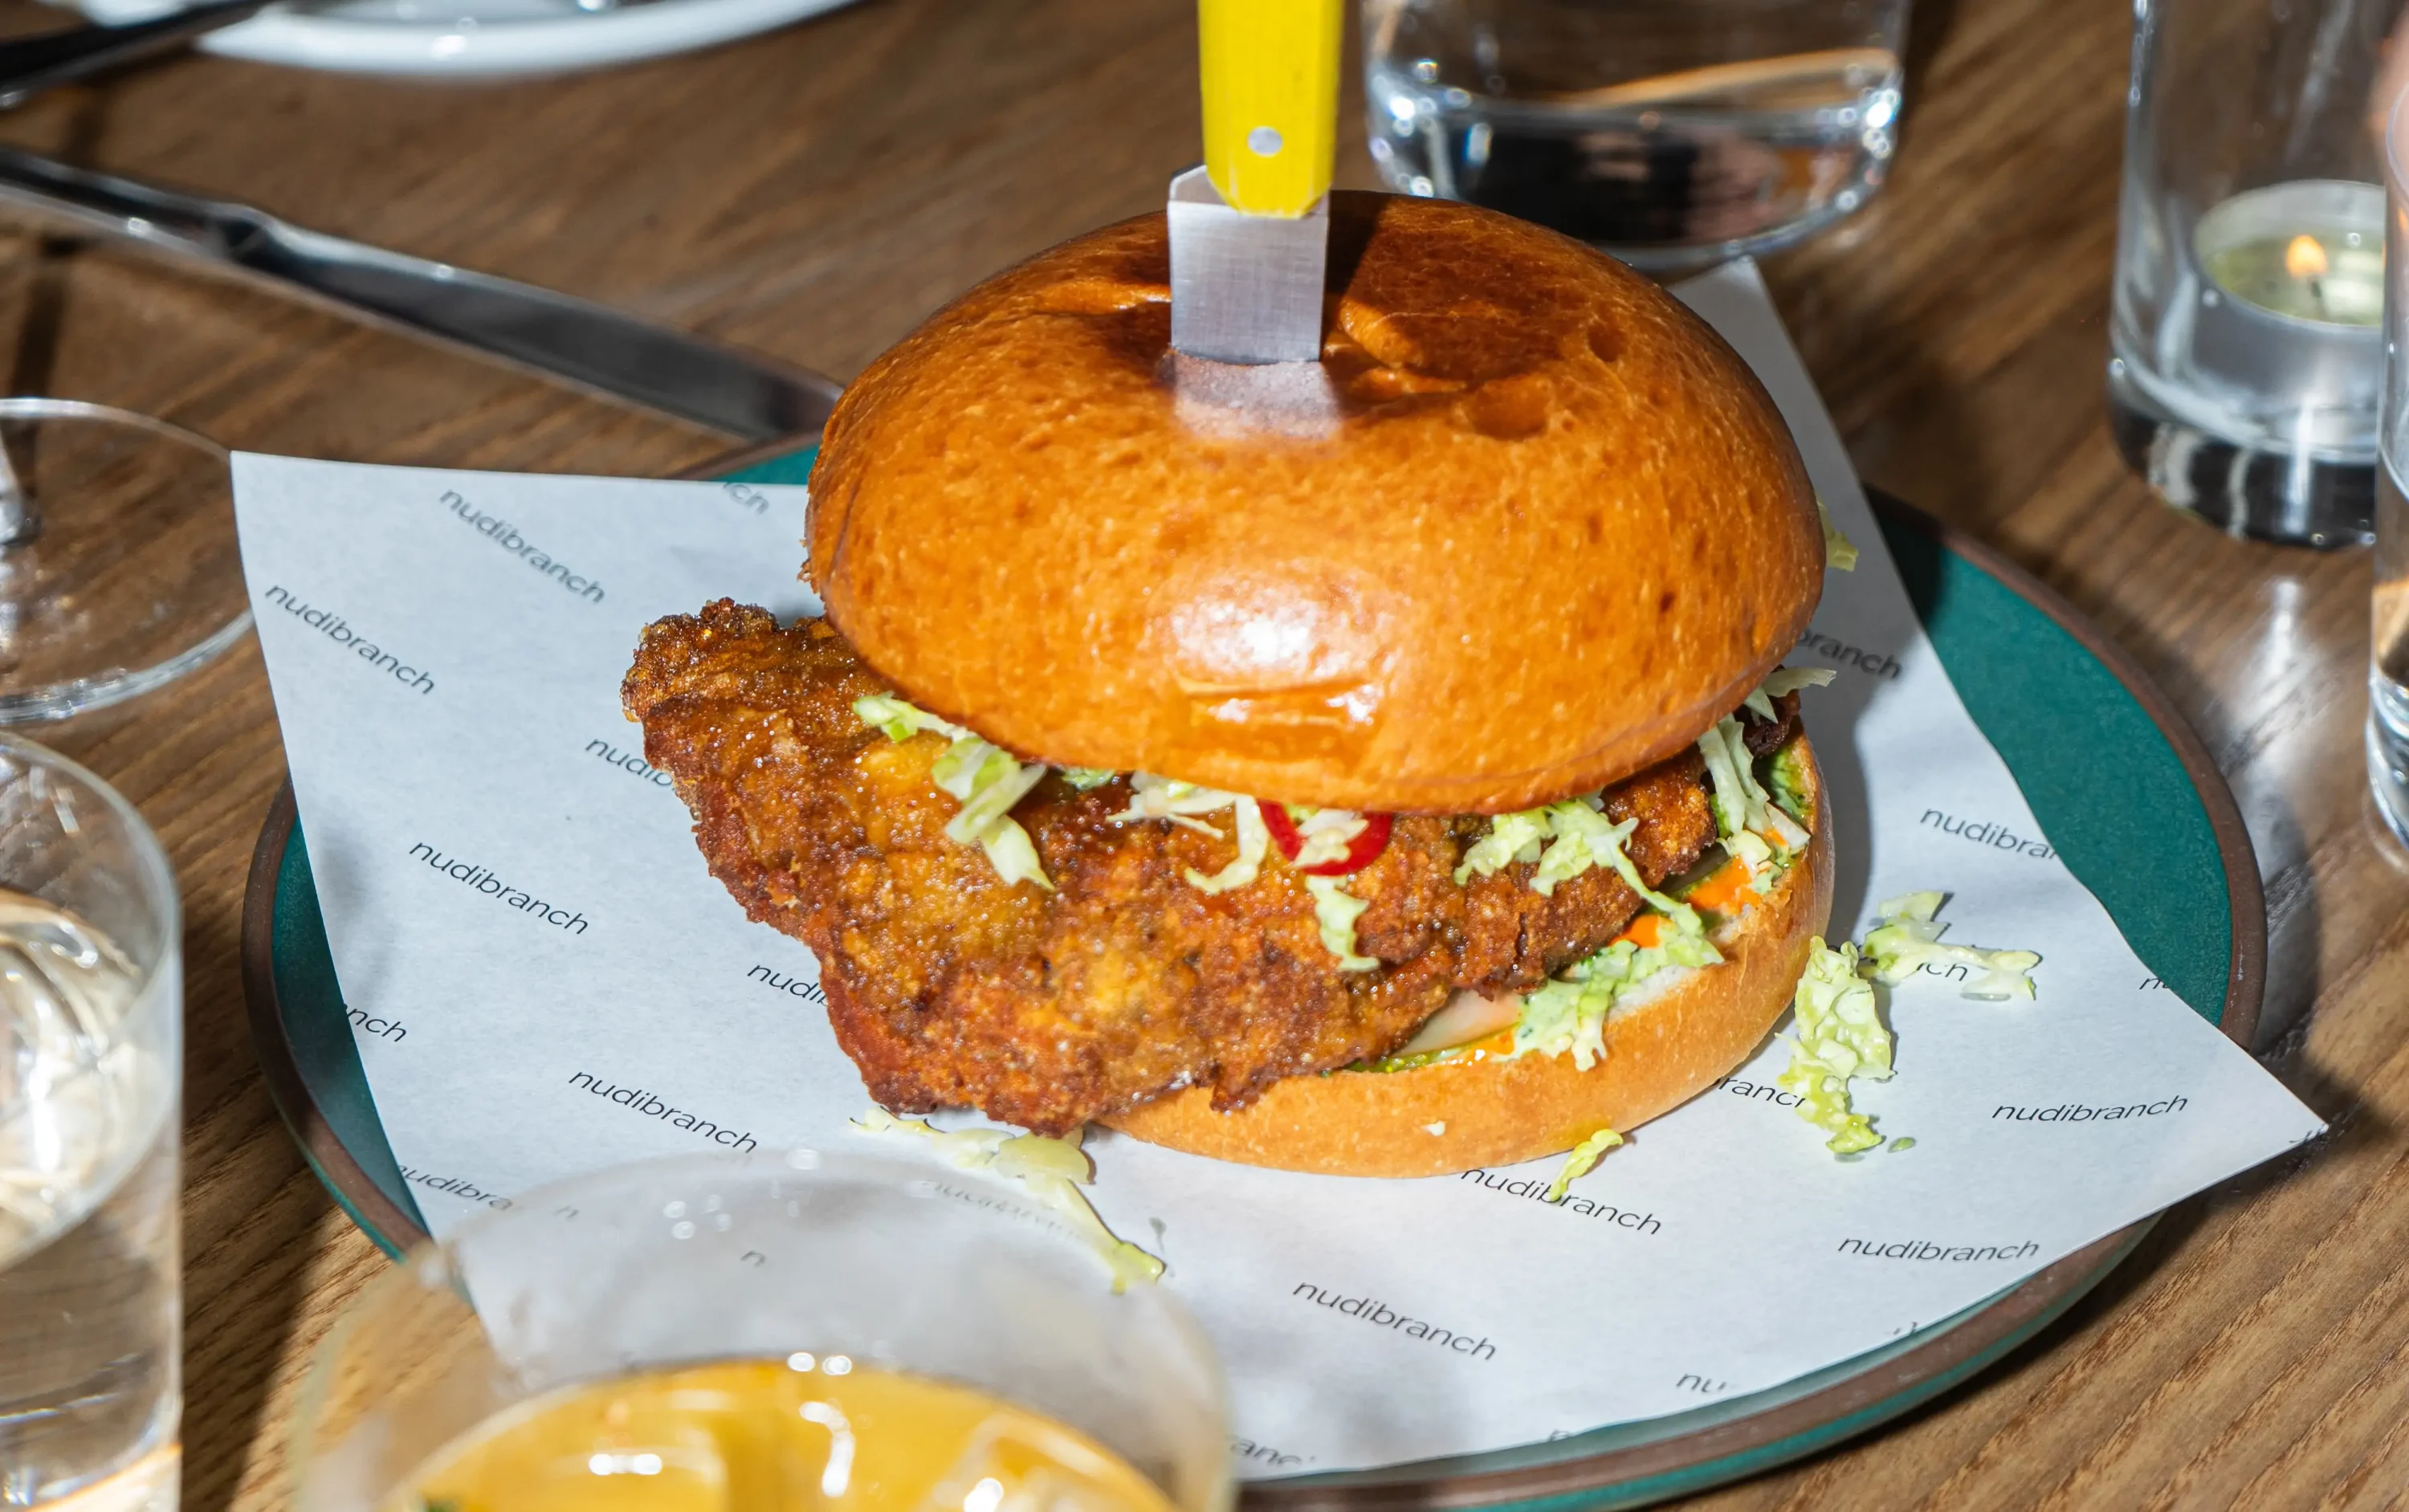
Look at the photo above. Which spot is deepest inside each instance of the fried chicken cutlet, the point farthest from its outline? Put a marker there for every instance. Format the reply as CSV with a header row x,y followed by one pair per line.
x,y
951,988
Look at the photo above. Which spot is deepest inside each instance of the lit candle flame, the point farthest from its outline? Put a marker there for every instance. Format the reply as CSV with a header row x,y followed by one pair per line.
x,y
2304,257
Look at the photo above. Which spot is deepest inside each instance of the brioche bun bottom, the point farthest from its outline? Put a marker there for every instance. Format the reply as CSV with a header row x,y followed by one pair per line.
x,y
1494,1110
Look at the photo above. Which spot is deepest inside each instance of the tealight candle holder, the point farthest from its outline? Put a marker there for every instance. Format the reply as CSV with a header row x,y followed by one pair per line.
x,y
2248,325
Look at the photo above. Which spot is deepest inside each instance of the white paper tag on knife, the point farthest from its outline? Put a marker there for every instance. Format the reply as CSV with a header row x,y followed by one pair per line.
x,y
543,979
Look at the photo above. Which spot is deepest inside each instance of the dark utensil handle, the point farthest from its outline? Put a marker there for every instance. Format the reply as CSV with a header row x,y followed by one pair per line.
x,y
30,64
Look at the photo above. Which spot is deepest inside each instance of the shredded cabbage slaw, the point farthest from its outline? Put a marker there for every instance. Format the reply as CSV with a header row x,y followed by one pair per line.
x,y
1559,841
1839,553
1337,910
1907,940
1784,681
1051,1171
984,779
1839,1037
900,721
1838,1033
1254,844
1326,835
1741,800
1580,1159
987,782
1512,837
1163,798
1567,1015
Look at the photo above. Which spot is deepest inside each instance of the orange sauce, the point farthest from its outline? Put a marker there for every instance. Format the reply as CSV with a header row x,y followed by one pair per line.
x,y
765,1435
1726,891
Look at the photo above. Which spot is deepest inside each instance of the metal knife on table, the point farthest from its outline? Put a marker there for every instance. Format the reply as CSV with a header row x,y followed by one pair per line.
x,y
576,340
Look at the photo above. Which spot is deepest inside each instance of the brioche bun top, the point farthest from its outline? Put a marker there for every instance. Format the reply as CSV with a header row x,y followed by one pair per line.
x,y
1543,530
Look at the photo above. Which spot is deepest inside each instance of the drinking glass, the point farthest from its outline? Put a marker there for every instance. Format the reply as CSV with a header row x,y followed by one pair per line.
x,y
119,570
809,1270
1674,134
2245,327
2388,677
90,993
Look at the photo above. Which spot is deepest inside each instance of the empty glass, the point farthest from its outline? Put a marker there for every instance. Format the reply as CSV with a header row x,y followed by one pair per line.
x,y
1674,134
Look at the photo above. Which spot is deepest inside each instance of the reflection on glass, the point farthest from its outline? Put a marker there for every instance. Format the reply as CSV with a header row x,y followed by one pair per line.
x,y
1672,132
808,1330
90,1068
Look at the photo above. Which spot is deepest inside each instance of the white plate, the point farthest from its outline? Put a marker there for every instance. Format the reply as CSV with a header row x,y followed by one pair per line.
x,y
465,38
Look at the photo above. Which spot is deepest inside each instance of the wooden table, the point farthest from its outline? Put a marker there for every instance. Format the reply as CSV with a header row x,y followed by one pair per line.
x,y
814,193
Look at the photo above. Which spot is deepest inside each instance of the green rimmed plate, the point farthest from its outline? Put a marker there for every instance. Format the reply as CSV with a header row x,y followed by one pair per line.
x,y
2044,684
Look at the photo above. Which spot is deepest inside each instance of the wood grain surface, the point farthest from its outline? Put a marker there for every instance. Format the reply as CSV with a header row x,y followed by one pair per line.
x,y
814,193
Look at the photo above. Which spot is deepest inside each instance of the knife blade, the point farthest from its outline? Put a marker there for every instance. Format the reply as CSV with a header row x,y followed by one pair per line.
x,y
582,343
1249,230
1244,288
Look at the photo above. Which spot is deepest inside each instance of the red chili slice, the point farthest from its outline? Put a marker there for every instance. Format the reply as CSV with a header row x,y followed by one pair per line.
x,y
1362,851
1283,827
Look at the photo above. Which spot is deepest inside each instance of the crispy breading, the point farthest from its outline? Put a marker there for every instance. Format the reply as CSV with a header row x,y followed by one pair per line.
x,y
1766,736
949,987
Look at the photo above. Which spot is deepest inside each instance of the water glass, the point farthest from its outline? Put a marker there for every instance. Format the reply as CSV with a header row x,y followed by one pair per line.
x,y
2388,678
2245,328
787,1280
91,1062
1674,134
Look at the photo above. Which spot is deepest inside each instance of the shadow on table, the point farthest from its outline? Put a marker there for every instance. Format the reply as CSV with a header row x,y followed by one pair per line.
x,y
253,1224
2153,1264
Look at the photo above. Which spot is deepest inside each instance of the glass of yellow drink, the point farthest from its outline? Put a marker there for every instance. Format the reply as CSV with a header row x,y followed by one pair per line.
x,y
806,1330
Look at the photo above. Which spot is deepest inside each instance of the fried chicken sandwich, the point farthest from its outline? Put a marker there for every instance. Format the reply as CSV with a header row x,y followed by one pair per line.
x,y
1417,792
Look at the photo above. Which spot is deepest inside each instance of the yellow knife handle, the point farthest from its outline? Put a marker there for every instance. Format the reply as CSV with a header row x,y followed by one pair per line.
x,y
1270,72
